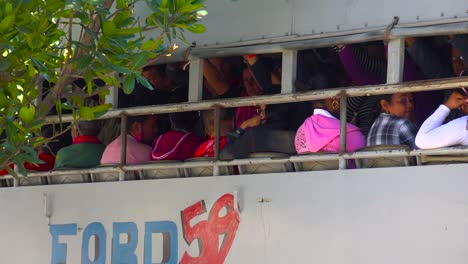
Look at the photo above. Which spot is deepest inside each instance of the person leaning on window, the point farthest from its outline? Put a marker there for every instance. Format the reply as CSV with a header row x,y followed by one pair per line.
x,y
321,131
434,134
393,126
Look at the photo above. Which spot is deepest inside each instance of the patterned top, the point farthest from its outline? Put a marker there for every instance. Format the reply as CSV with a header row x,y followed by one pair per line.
x,y
391,130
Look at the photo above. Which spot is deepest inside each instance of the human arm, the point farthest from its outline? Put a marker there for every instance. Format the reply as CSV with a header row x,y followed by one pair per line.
x,y
214,79
433,134
355,69
261,74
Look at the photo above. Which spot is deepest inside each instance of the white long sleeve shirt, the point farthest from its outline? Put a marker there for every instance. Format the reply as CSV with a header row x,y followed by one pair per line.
x,y
434,134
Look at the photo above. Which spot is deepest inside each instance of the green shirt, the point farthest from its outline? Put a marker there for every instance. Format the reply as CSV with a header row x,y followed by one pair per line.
x,y
81,155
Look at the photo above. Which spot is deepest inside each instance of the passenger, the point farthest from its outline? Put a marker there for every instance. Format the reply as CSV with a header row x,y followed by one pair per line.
x,y
257,79
221,79
86,149
321,131
170,85
252,88
363,65
268,133
45,154
207,148
434,134
137,152
368,65
179,143
393,126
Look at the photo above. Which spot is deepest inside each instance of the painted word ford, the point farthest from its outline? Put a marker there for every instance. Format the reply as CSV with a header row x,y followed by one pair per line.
x,y
206,232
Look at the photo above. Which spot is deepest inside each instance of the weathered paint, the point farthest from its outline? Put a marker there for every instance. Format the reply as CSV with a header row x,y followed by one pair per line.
x,y
395,215
235,21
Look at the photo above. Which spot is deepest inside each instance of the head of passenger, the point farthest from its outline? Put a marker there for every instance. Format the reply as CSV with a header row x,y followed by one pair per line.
x,y
143,128
399,105
458,63
85,128
221,66
252,88
226,122
332,105
184,121
157,77
274,116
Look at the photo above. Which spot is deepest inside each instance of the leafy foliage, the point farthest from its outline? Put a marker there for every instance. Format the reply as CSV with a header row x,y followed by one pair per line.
x,y
62,41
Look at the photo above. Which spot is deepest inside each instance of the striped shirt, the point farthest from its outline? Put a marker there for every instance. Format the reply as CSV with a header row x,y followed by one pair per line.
x,y
391,130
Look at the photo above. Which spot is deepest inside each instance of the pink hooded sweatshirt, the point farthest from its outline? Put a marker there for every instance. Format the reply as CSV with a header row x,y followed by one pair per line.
x,y
321,132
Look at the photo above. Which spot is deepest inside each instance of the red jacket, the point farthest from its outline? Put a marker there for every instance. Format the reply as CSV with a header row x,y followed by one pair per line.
x,y
175,145
49,161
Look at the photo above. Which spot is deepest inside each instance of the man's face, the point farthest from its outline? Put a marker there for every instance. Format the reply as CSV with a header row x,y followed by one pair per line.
x,y
150,130
157,79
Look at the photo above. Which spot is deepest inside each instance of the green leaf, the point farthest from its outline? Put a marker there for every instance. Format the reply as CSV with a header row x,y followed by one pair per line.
x,y
150,45
24,30
7,22
83,62
108,28
86,113
59,107
39,65
26,114
78,101
189,8
100,110
197,28
129,83
121,69
127,31
21,128
121,4
3,101
140,60
4,63
143,81
179,4
67,105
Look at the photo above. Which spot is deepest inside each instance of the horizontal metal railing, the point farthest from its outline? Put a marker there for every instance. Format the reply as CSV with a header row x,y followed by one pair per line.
x,y
252,161
368,90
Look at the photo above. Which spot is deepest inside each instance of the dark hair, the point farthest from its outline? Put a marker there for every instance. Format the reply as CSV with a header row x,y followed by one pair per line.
x,y
136,119
385,97
183,120
277,116
89,128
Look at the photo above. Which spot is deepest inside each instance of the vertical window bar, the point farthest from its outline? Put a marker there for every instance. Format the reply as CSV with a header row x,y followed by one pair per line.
x,y
396,59
217,126
113,97
195,80
343,110
288,71
123,137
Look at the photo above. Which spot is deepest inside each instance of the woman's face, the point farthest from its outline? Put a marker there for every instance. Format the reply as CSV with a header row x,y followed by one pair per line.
x,y
401,105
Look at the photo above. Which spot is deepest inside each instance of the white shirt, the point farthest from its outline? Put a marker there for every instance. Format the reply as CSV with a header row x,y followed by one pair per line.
x,y
434,134
318,111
